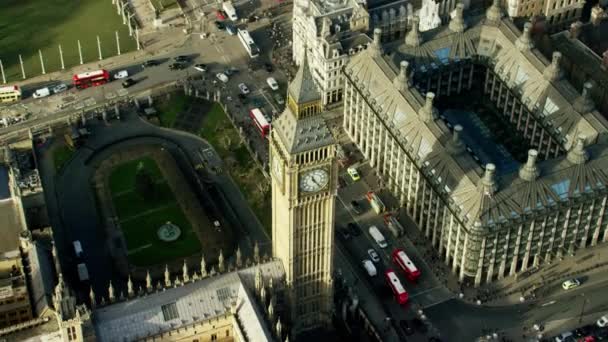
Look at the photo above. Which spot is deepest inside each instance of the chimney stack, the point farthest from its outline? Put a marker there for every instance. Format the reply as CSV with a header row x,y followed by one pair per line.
x,y
529,171
456,146
487,184
376,47
577,154
494,13
428,113
401,81
553,71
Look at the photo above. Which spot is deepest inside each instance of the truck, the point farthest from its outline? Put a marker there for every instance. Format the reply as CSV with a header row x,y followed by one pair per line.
x,y
378,237
83,272
375,202
394,225
42,92
228,7
77,248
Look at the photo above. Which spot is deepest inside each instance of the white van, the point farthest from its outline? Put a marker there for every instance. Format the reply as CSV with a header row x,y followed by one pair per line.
x,y
42,92
121,74
78,248
369,267
378,237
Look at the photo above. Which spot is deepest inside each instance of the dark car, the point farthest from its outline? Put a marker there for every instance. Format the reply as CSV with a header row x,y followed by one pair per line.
x,y
149,63
356,207
354,229
407,329
182,59
419,325
343,234
242,96
231,71
177,66
128,82
218,25
268,67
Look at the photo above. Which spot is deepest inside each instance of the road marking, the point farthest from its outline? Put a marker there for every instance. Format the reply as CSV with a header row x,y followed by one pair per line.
x,y
549,303
425,291
438,302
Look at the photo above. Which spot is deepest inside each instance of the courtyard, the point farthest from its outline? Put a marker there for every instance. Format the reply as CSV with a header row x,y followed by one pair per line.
x,y
43,25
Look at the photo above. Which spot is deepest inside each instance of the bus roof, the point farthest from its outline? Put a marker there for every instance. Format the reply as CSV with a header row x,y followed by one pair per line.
x,y
245,35
407,262
259,117
93,73
9,89
395,282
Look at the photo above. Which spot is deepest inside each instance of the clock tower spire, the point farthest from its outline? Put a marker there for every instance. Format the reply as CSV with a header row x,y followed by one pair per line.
x,y
304,176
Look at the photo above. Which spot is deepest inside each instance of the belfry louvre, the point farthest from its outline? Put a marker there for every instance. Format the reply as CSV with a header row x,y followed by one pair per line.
x,y
487,215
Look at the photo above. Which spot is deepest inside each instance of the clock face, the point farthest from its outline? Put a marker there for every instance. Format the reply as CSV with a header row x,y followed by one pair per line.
x,y
314,180
277,168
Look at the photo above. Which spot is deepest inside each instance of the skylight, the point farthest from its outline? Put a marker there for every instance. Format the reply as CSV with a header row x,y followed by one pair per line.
x,y
561,188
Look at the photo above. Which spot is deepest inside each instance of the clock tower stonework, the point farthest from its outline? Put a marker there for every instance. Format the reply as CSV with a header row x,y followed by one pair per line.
x,y
304,176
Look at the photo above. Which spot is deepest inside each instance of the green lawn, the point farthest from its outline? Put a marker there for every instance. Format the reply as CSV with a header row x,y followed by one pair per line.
x,y
61,154
141,217
146,249
218,130
123,176
29,26
168,110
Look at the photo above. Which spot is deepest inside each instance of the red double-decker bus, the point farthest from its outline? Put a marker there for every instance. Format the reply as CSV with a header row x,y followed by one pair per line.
x,y
260,121
394,283
91,78
412,273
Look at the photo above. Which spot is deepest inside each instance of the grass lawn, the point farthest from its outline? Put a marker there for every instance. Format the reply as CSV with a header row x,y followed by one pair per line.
x,y
168,110
123,176
29,26
61,154
146,249
218,131
141,217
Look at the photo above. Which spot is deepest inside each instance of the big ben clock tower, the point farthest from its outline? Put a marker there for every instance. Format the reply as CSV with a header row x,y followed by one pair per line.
x,y
304,186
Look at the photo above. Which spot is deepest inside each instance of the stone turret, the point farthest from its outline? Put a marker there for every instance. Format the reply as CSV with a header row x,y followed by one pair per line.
x,y
487,184
376,45
457,24
203,267
553,71
149,287
130,291
577,154
401,81
258,278
456,145
326,27
271,312
185,273
584,104
263,295
167,276
494,13
524,42
412,38
256,253
220,262
529,171
428,113
279,328
111,295
92,298
239,257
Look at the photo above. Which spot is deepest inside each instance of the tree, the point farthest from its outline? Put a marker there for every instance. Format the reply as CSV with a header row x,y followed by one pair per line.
x,y
144,184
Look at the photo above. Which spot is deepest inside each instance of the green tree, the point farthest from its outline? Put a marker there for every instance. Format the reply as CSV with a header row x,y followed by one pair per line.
x,y
144,184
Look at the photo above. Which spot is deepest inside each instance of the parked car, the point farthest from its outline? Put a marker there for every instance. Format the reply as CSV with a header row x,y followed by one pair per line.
x,y
218,25
231,71
272,83
200,67
570,284
222,77
407,329
60,88
150,63
279,99
121,74
220,15
268,67
353,173
177,66
343,234
373,255
565,337
354,229
369,267
128,82
243,88
182,59
231,29
356,207
602,322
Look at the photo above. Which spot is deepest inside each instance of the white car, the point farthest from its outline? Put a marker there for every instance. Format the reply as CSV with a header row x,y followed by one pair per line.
x,y
369,267
222,77
602,322
570,284
272,83
121,74
353,173
60,88
244,89
200,67
373,255
564,337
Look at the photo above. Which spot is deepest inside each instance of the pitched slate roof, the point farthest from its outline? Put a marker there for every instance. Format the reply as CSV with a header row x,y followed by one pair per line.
x,y
302,88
